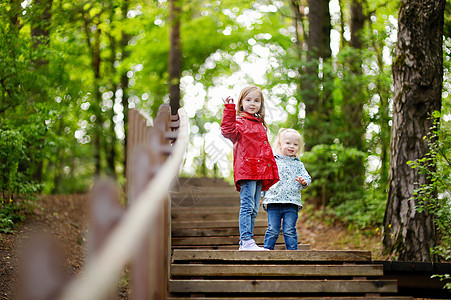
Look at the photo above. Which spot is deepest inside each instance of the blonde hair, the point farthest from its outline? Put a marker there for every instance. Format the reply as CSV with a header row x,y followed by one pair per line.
x,y
281,133
246,91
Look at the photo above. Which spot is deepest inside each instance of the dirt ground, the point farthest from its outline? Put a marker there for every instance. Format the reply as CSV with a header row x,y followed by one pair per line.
x,y
65,217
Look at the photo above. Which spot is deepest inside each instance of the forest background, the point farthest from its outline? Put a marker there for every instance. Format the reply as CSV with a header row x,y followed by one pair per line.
x,y
70,70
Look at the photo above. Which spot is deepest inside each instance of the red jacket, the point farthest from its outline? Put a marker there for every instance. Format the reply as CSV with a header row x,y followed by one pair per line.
x,y
253,158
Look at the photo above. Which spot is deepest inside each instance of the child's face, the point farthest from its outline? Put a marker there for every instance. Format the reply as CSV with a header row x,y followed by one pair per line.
x,y
252,102
289,144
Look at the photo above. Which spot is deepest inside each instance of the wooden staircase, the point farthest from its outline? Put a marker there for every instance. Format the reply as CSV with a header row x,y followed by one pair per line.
x,y
207,265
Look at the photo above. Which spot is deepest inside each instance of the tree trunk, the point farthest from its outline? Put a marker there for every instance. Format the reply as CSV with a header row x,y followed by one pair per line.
x,y
175,56
40,33
97,103
317,101
298,8
319,28
14,15
110,146
342,25
418,74
125,38
40,28
354,96
383,90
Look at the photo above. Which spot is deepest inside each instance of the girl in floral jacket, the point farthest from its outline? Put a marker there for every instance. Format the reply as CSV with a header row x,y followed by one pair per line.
x,y
283,200
254,166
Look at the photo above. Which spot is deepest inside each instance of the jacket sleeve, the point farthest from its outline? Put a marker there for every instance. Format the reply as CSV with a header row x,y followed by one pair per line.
x,y
306,175
228,125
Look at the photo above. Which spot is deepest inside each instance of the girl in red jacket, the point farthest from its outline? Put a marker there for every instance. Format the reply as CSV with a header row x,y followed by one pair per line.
x,y
254,166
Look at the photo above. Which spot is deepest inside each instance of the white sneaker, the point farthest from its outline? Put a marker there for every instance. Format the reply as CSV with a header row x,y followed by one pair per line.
x,y
250,245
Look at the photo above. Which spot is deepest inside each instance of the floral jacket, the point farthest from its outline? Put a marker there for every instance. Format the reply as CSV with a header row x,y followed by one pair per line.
x,y
287,190
253,158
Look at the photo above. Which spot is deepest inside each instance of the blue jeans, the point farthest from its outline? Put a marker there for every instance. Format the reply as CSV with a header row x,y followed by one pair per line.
x,y
289,214
250,196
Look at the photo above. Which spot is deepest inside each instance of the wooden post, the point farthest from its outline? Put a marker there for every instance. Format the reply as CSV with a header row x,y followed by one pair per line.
x,y
105,213
145,163
142,236
163,121
42,276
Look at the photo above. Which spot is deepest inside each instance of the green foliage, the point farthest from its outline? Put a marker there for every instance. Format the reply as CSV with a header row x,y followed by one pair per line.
x,y
332,168
434,196
12,212
335,184
365,212
444,277
15,184
12,151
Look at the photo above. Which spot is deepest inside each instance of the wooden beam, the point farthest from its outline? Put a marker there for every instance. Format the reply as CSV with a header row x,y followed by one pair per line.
x,y
214,224
212,240
275,255
283,286
275,270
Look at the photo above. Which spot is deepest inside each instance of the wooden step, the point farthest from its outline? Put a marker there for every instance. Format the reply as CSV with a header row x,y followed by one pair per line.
x,y
280,297
201,209
211,241
194,201
207,216
205,232
201,181
286,286
272,256
222,240
304,247
206,190
214,224
234,270
206,262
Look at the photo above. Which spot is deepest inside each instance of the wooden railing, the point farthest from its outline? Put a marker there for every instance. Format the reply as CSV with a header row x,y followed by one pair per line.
x,y
138,236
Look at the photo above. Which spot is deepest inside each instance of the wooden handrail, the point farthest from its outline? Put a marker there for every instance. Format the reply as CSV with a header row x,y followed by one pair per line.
x,y
102,272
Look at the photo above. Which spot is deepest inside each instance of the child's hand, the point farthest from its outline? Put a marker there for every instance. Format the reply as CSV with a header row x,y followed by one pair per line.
x,y
301,180
228,100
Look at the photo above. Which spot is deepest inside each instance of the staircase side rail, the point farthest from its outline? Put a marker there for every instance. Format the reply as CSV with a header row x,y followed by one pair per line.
x,y
101,274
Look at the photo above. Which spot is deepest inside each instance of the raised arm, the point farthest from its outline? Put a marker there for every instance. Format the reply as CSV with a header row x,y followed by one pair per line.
x,y
228,125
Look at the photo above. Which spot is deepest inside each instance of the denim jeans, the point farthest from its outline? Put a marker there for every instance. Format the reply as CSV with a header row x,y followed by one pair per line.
x,y
289,214
250,196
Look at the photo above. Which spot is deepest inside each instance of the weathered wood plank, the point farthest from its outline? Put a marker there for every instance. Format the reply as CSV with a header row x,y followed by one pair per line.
x,y
368,297
207,216
207,190
201,209
202,181
192,232
220,199
205,232
304,247
283,286
299,255
212,240
276,270
192,201
214,224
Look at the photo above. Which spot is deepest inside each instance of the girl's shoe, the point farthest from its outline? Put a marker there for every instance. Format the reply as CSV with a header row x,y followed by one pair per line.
x,y
250,245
